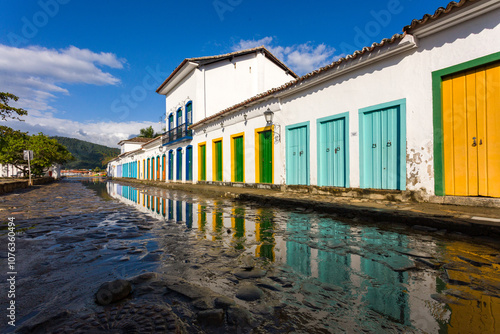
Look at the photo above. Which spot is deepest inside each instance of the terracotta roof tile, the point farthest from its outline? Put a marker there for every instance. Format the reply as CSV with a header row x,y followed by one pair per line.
x,y
137,140
427,18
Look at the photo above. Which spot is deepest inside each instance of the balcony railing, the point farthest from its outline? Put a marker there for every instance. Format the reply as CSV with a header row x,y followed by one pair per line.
x,y
177,133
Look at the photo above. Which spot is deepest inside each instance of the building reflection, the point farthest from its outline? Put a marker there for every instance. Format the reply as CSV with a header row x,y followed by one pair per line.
x,y
159,206
238,225
264,233
363,262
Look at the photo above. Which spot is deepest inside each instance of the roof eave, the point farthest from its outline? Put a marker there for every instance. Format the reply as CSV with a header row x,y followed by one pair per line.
x,y
445,18
179,73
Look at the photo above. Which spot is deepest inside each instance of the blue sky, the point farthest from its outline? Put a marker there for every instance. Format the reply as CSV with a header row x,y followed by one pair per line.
x,y
89,69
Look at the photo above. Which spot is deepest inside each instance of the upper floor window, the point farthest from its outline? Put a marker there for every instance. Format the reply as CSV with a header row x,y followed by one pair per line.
x,y
170,121
179,117
189,112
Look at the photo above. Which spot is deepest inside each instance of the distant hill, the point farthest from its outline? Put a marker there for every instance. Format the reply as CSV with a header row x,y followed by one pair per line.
x,y
87,155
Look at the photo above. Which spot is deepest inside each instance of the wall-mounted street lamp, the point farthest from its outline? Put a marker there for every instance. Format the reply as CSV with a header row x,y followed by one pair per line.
x,y
161,148
268,115
245,117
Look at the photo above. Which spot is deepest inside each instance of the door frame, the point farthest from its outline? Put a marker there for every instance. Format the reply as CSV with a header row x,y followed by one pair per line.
x,y
401,103
319,121
233,156
257,153
289,128
437,76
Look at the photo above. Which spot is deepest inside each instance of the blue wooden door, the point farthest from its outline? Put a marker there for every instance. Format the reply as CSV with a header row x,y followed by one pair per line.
x,y
332,153
189,163
381,145
170,165
297,155
179,164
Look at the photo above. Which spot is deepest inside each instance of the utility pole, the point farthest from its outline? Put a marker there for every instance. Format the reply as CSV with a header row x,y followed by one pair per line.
x,y
28,155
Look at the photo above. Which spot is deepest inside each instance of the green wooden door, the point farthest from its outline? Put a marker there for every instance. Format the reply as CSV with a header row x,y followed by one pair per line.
x,y
266,156
238,159
218,161
203,163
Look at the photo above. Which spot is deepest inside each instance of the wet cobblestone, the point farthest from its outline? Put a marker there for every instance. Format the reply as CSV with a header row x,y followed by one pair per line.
x,y
187,256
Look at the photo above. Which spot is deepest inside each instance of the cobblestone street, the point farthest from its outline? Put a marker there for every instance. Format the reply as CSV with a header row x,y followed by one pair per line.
x,y
196,263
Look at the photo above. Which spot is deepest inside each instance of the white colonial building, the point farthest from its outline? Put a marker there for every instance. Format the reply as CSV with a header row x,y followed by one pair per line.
x,y
419,111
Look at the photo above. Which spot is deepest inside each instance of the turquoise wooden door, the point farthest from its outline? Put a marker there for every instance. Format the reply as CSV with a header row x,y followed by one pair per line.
x,y
332,152
297,154
383,150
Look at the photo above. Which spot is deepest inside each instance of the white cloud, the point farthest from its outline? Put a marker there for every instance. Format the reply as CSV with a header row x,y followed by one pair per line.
x,y
35,74
105,132
301,58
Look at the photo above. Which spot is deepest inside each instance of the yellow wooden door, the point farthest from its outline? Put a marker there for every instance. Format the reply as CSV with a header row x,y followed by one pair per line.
x,y
471,132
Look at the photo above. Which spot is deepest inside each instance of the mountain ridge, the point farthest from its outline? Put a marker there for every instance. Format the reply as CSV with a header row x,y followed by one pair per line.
x,y
87,155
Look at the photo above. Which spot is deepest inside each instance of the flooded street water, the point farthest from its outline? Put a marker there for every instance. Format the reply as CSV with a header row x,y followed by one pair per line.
x,y
307,272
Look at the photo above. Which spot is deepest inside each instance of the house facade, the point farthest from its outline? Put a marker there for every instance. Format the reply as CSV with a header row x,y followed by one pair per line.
x,y
419,111
196,89
416,112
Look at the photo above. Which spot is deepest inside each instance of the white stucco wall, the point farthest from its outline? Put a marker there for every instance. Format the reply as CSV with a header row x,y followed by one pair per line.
x,y
181,94
403,76
129,147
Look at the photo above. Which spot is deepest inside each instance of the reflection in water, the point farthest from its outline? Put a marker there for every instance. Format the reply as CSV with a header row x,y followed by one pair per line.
x,y
98,186
264,232
375,274
298,254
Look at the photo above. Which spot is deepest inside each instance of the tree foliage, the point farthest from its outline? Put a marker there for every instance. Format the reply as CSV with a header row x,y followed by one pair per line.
x,y
7,111
46,152
148,132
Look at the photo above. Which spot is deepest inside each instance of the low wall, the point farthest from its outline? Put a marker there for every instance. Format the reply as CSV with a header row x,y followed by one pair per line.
x,y
7,186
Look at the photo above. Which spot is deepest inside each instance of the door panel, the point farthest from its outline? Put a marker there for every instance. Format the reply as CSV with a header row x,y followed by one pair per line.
x,y
170,165
179,165
238,159
218,161
381,147
297,156
491,143
189,163
332,153
266,156
471,132
203,163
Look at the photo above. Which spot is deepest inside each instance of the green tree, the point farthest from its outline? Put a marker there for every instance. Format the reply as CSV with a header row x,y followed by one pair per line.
x,y
148,132
97,170
7,111
46,152
13,143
